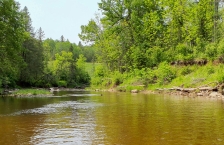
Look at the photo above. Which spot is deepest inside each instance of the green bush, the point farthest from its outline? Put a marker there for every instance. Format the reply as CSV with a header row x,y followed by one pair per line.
x,y
149,77
96,81
220,47
184,52
186,70
106,82
100,71
165,73
84,78
155,56
62,83
211,51
117,78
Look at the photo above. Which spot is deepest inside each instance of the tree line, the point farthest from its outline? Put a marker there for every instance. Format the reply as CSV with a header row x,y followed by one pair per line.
x,y
28,60
138,34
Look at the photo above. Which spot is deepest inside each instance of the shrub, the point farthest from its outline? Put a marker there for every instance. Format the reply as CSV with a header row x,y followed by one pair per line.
x,y
186,71
211,51
117,78
84,78
165,73
184,52
62,83
96,81
99,71
106,82
149,77
220,47
99,76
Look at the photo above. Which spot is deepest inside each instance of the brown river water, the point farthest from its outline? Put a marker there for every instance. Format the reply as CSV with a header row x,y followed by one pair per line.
x,y
85,118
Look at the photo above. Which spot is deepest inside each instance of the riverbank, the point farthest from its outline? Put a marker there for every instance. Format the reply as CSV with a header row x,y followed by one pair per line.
x,y
203,92
31,92
37,92
186,80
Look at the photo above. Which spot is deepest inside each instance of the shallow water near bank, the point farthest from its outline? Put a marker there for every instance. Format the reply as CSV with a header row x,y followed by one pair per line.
x,y
84,118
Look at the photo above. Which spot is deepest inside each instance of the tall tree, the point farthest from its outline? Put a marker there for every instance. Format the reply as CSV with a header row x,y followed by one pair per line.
x,y
28,22
11,37
32,54
40,34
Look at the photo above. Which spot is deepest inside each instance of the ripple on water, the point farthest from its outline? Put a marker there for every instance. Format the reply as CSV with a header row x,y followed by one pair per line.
x,y
69,127
55,108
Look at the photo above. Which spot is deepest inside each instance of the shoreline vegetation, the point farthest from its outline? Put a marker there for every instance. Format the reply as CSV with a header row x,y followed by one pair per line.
x,y
27,92
36,92
182,80
190,80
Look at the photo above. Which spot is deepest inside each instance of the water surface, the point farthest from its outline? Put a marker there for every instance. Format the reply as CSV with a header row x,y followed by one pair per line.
x,y
84,118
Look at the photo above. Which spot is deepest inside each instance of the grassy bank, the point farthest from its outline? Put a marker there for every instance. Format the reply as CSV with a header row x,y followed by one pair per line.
x,y
163,76
32,92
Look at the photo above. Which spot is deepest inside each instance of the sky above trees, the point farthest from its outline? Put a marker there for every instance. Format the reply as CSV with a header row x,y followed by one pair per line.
x,y
61,17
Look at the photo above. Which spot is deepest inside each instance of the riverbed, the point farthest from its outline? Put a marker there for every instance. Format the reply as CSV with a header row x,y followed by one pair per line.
x,y
93,118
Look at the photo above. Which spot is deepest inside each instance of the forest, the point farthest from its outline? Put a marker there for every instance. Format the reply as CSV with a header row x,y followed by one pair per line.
x,y
157,43
29,60
136,43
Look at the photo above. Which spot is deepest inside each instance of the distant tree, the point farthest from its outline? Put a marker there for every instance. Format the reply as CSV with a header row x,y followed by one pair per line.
x,y
62,38
27,21
40,34
80,45
61,65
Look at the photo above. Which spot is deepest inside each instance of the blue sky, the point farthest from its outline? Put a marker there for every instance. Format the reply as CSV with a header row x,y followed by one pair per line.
x,y
61,17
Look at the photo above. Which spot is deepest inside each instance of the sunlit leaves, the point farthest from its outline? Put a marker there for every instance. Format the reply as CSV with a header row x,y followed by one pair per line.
x,y
62,64
90,32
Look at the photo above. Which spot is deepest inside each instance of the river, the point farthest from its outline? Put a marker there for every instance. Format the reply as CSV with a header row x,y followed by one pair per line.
x,y
85,118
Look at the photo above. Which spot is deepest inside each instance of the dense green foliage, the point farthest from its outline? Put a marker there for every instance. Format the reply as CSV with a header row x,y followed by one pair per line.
x,y
11,37
146,36
138,34
163,76
26,59
134,42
